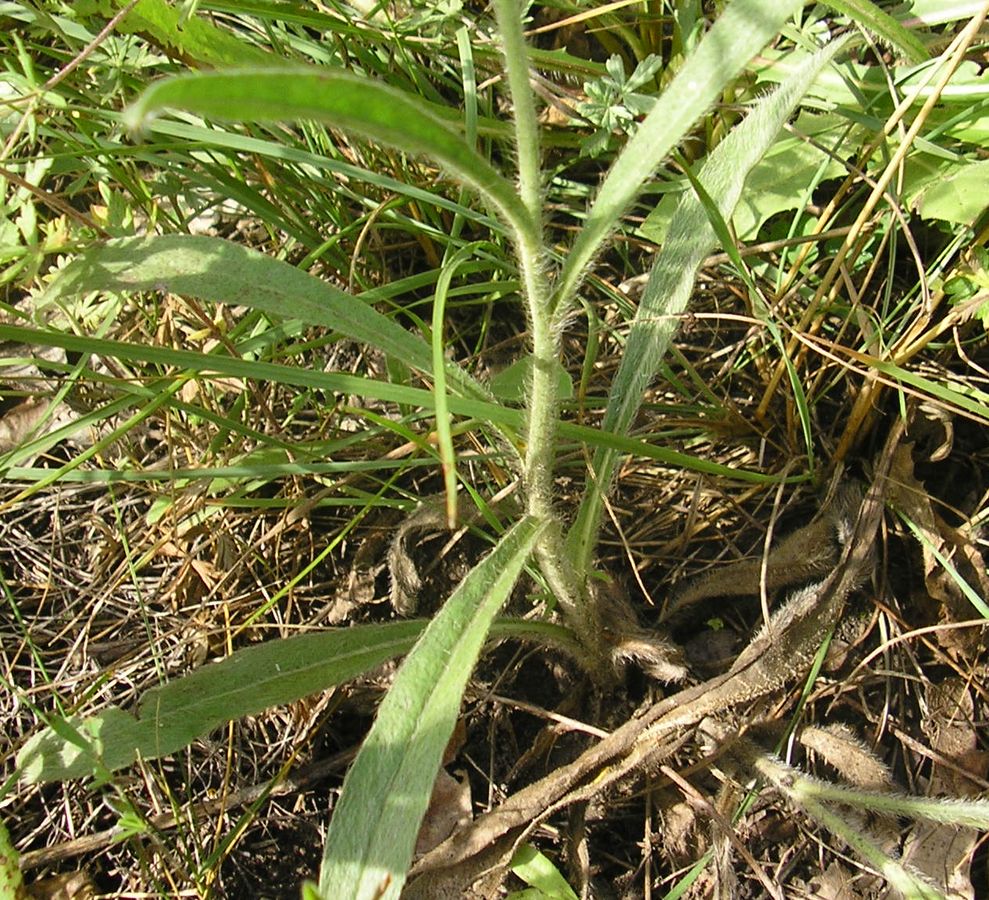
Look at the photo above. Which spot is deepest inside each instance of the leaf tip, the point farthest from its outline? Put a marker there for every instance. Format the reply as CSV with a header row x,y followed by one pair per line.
x,y
138,115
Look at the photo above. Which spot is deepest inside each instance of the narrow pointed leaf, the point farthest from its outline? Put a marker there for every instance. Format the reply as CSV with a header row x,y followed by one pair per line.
x,y
221,271
690,238
245,683
385,795
354,104
743,29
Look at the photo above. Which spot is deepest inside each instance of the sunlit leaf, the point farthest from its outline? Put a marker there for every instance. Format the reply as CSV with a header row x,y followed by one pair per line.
x,y
245,683
739,33
355,104
373,831
691,237
221,271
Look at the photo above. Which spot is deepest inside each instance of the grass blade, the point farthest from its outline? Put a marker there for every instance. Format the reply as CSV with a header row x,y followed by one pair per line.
x,y
242,143
490,413
444,430
884,26
385,795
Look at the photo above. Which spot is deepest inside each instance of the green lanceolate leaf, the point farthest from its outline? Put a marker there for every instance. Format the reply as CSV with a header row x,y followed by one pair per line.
x,y
354,104
744,28
221,271
245,683
784,178
385,795
194,38
691,237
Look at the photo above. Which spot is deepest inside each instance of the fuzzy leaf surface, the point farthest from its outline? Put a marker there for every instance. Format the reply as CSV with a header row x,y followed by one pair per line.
x,y
741,31
691,237
245,683
373,831
220,271
354,104
782,180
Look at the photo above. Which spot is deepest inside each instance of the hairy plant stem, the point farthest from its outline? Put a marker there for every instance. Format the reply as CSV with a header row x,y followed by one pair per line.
x,y
524,119
543,400
798,788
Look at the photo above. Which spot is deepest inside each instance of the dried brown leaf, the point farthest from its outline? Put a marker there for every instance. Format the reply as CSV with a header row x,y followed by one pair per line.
x,y
937,538
843,750
449,808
